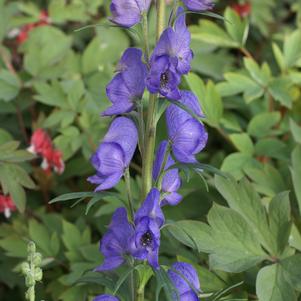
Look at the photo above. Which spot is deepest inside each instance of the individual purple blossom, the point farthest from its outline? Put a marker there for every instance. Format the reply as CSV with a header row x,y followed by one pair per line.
x,y
171,181
116,242
185,279
105,298
128,85
127,13
198,5
148,220
187,135
114,154
170,59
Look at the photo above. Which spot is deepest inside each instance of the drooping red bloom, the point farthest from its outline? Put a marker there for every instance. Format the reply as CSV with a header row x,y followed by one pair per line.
x,y
7,205
243,10
41,145
24,31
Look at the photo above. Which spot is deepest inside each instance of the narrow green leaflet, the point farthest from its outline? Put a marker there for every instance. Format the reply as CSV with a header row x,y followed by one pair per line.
x,y
292,49
296,131
296,173
243,142
272,286
9,85
292,270
163,282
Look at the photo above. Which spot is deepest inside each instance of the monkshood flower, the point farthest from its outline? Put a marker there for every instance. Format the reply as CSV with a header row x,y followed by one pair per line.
x,y
171,59
127,13
105,298
115,244
128,85
171,181
114,153
187,135
148,220
198,5
185,279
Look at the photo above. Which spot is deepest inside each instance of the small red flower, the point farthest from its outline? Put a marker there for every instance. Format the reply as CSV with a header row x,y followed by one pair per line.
x,y
243,10
7,205
41,145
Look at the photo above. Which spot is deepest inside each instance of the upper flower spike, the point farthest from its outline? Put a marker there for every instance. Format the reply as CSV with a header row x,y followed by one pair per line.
x,y
185,279
128,85
171,181
199,5
114,153
187,135
127,13
115,244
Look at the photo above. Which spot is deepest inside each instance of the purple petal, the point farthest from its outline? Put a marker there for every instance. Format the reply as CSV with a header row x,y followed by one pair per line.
x,y
151,208
172,199
124,132
186,274
159,159
189,296
105,298
110,263
198,5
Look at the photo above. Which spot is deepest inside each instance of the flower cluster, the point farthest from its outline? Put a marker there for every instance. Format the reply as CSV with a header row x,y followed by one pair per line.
x,y
41,145
243,10
138,238
7,205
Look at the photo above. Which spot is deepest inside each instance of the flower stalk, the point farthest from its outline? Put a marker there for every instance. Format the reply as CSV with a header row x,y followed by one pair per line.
x,y
151,120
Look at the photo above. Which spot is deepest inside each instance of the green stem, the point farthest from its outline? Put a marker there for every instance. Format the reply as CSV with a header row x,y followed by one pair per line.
x,y
150,137
127,179
145,36
161,173
140,295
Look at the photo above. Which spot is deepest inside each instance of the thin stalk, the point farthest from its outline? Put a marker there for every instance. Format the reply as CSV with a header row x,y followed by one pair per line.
x,y
161,173
151,121
145,36
140,295
127,179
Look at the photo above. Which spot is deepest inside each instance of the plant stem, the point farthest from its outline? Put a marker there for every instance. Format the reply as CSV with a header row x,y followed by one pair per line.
x,y
140,295
145,36
127,179
150,137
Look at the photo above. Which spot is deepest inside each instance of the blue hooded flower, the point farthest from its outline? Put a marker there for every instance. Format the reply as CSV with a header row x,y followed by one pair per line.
x,y
114,153
198,5
148,220
105,298
171,181
127,13
171,59
185,279
116,243
128,85
187,135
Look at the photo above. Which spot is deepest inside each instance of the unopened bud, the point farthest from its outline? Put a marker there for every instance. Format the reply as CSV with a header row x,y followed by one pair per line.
x,y
37,259
38,274
29,281
31,247
25,268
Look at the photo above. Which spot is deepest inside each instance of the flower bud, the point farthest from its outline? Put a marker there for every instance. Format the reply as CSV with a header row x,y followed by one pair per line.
x,y
37,259
25,268
38,274
30,281
31,247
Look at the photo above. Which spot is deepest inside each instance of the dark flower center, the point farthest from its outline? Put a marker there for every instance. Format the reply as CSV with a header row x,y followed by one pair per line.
x,y
164,79
146,239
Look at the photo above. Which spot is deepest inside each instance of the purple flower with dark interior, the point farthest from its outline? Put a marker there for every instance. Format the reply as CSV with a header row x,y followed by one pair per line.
x,y
105,298
185,279
148,220
171,181
198,5
188,136
128,85
171,59
127,13
114,154
116,243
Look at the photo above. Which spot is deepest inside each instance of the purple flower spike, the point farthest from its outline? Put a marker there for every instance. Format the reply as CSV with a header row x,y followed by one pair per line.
x,y
199,5
183,276
187,135
128,85
171,181
116,241
105,298
114,153
127,13
148,220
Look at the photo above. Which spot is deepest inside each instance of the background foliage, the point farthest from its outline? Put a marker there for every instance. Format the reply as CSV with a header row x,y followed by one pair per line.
x,y
246,74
